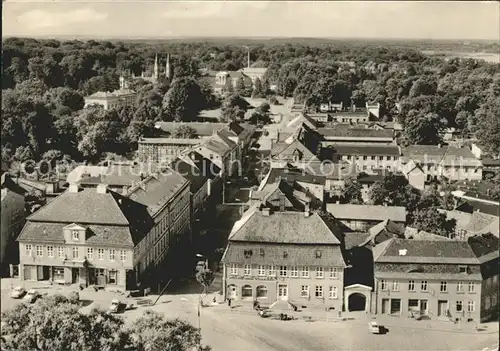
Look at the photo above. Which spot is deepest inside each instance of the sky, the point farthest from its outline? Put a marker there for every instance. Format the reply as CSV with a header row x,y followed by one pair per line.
x,y
330,19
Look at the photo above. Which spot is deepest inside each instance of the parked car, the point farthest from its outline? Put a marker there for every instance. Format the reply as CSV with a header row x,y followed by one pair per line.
x,y
31,296
373,327
115,306
18,292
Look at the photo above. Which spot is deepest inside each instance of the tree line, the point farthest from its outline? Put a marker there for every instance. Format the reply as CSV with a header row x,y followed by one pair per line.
x,y
44,82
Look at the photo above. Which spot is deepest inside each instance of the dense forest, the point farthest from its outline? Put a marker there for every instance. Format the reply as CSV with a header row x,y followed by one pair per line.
x,y
44,82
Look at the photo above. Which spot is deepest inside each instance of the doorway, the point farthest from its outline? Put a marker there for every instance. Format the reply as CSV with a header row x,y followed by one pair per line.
x,y
385,306
75,275
423,306
442,307
357,302
395,306
282,292
231,292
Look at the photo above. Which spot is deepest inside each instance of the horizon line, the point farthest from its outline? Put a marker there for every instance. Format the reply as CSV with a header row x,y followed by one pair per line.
x,y
173,37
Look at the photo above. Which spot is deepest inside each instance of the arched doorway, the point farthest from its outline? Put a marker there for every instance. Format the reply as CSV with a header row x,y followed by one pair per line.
x,y
357,297
357,302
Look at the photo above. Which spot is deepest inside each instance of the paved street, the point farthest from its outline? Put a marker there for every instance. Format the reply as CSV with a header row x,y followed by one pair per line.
x,y
241,329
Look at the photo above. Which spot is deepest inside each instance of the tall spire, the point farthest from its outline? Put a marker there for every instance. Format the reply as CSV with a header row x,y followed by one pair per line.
x,y
167,67
155,75
248,57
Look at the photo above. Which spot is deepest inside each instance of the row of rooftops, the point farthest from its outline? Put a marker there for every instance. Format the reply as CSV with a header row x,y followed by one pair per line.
x,y
114,94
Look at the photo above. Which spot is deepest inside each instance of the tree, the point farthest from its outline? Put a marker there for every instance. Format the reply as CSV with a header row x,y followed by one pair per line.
x,y
351,193
184,131
183,101
234,107
240,87
429,219
488,128
205,277
54,323
228,86
152,332
423,129
257,89
264,108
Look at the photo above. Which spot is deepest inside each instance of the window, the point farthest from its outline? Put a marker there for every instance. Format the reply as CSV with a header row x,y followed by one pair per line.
x,y
100,254
305,272
373,158
112,278
319,291
261,292
487,302
460,287
423,285
123,255
282,271
495,279
60,251
318,254
246,292
471,306
294,272
381,158
262,270
319,272
462,269
334,273
332,292
39,250
112,254
304,291
50,251
383,285
411,285
90,253
234,269
472,287
28,249
272,271
247,270
459,306
75,252
395,285
494,299
365,158
444,287
75,235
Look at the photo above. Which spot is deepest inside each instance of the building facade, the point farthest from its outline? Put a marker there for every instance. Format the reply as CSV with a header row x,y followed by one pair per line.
x,y
360,218
449,280
111,100
287,256
163,150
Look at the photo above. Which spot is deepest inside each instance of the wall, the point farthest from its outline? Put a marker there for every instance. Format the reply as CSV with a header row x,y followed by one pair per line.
x,y
433,295
12,222
294,285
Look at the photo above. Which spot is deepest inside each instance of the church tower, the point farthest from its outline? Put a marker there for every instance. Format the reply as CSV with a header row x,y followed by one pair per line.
x,y
167,67
156,73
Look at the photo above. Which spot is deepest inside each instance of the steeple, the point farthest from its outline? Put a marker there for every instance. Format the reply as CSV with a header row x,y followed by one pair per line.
x,y
167,67
156,74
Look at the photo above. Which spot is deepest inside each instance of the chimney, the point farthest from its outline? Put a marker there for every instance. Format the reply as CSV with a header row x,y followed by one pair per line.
x,y
307,210
102,188
73,188
124,190
265,212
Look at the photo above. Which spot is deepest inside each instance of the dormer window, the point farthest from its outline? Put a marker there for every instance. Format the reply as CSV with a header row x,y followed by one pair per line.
x,y
463,269
75,234
318,254
247,253
285,254
262,252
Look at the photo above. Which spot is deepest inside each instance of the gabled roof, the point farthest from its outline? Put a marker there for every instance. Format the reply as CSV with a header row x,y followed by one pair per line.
x,y
426,251
291,174
367,212
286,228
203,165
84,207
189,172
157,190
283,194
367,150
201,128
339,132
384,231
8,184
296,148
264,253
444,155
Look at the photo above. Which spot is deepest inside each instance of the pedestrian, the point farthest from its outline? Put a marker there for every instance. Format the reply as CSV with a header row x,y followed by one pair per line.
x,y
229,302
